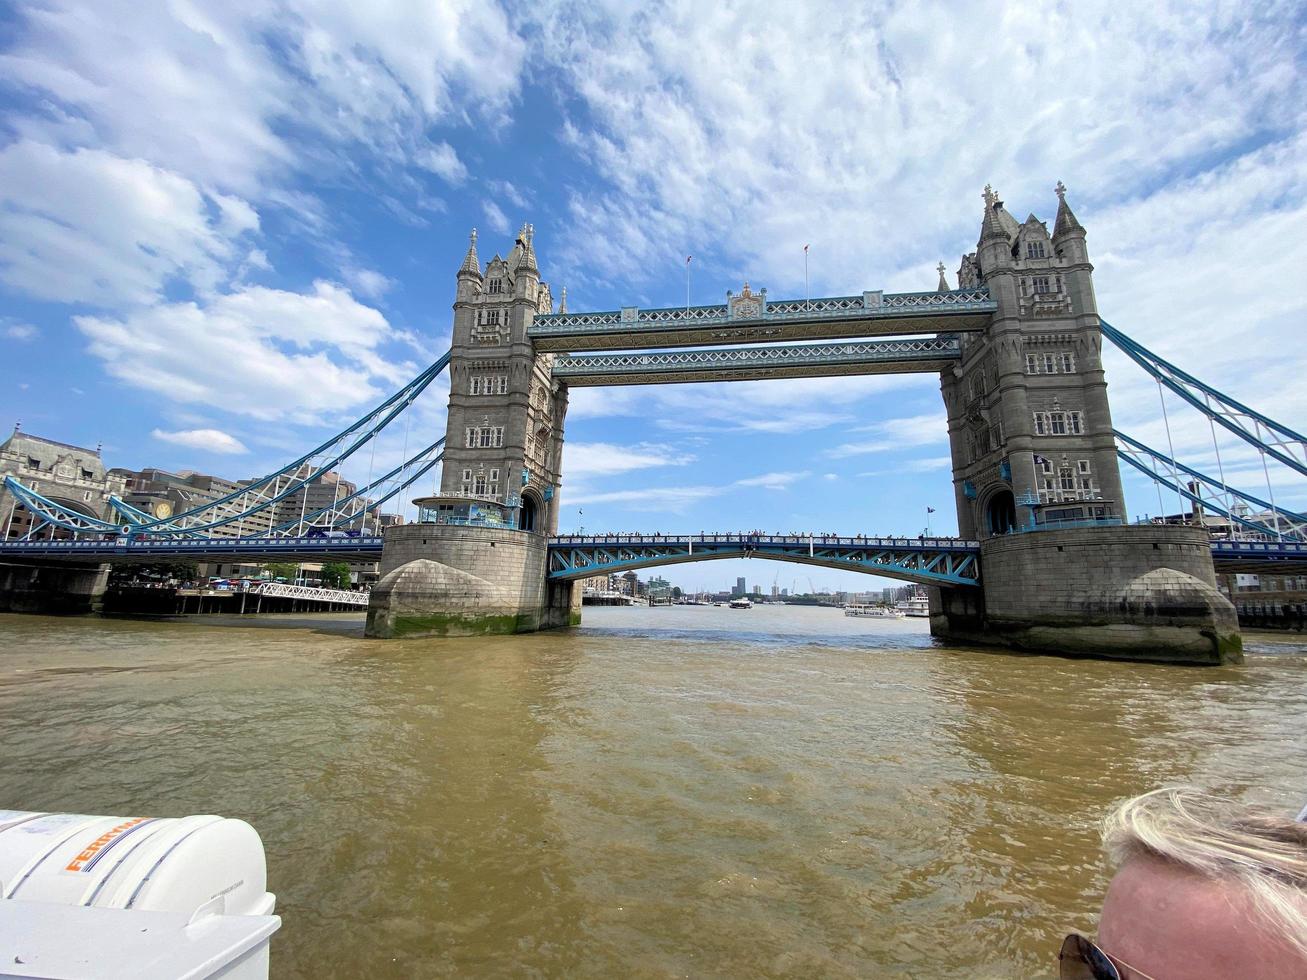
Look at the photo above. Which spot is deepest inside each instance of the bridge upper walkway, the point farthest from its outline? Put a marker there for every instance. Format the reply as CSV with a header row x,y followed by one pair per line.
x,y
762,321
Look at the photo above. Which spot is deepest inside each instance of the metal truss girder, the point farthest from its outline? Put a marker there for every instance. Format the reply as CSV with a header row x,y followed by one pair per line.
x,y
56,514
754,363
933,561
824,318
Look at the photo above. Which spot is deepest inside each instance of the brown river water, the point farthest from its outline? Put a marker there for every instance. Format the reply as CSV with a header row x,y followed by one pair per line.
x,y
690,791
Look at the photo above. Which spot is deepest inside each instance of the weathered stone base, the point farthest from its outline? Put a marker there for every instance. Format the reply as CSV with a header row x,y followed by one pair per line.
x,y
52,589
1126,593
442,580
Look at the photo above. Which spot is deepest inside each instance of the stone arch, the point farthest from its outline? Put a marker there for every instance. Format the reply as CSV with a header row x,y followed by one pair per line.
x,y
532,511
999,511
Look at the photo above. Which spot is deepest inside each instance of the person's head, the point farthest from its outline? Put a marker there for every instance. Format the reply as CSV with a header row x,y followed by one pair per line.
x,y
1205,889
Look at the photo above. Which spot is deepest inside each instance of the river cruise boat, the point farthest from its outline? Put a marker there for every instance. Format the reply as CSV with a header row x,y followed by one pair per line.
x,y
915,605
741,603
873,611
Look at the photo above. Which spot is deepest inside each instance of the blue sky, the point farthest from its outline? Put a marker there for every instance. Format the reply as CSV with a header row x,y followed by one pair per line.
x,y
225,229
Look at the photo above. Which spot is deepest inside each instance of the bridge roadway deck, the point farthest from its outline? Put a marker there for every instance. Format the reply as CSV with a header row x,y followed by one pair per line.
x,y
918,354
575,556
829,318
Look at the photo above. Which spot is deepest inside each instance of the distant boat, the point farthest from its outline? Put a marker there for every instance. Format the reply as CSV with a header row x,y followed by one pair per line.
x,y
741,603
873,611
915,605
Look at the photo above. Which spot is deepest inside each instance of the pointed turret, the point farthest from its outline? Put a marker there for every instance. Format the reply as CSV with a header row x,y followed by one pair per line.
x,y
992,227
943,283
562,305
528,261
1066,224
471,264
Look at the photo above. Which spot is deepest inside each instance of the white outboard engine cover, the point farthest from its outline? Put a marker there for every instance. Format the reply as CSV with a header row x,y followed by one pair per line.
x,y
146,897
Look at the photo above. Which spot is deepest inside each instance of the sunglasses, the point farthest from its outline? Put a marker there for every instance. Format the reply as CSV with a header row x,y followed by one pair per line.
x,y
1080,959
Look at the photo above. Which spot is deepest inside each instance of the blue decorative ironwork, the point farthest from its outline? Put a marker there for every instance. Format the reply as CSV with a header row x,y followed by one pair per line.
x,y
1278,441
968,306
611,368
936,561
1209,490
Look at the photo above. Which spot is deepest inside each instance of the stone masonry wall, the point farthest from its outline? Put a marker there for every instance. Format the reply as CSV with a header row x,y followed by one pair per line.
x,y
452,580
1131,592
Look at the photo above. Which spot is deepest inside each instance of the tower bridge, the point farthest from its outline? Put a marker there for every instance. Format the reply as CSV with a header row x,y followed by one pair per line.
x,y
1045,561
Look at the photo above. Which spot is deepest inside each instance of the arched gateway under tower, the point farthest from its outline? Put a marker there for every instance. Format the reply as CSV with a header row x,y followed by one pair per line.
x,y
1016,347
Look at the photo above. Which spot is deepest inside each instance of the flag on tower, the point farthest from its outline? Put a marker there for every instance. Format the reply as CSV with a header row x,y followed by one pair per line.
x,y
930,510
688,258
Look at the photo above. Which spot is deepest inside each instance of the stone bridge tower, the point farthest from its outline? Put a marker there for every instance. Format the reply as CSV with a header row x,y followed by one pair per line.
x,y
505,435
1036,477
1029,425
475,560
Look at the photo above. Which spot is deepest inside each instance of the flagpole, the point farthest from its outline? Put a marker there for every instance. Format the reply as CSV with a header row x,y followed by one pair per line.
x,y
807,293
687,282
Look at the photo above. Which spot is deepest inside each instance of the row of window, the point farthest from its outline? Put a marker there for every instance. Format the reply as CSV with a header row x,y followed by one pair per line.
x,y
1039,285
1050,496
483,483
488,384
1058,424
1082,466
489,318
1060,362
1035,250
484,436
494,285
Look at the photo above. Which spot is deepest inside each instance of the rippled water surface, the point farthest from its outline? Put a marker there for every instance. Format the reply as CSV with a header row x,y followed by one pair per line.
x,y
665,792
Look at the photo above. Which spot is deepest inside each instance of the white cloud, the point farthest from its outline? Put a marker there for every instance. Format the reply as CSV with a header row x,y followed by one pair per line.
x,y
368,283
21,331
848,136
604,459
442,161
891,435
271,88
90,227
677,500
261,352
208,440
495,218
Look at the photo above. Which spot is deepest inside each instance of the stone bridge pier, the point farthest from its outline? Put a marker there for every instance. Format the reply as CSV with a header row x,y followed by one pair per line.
x,y
1124,593
51,587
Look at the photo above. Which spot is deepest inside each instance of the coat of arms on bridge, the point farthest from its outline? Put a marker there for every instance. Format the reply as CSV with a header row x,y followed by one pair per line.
x,y
748,305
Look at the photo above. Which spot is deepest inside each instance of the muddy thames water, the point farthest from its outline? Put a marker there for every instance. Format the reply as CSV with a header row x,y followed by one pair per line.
x,y
692,791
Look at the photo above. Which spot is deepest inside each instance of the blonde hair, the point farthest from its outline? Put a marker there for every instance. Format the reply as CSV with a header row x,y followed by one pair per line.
x,y
1263,851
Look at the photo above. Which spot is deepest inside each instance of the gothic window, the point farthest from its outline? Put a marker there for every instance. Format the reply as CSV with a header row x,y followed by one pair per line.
x,y
501,385
1057,423
1046,466
1050,364
1082,466
1068,362
1034,250
1032,364
495,286
476,385
1041,424
484,436
1042,285
1066,480
1073,421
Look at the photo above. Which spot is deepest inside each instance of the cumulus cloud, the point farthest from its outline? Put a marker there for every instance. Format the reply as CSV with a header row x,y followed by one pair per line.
x,y
208,440
265,353
87,226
